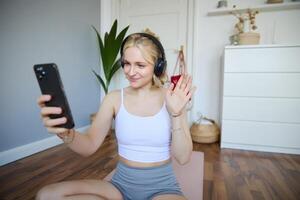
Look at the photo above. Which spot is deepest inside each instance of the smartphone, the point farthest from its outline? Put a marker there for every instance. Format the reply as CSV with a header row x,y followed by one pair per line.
x,y
50,83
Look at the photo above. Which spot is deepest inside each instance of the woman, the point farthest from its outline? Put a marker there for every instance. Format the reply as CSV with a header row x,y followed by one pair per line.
x,y
150,122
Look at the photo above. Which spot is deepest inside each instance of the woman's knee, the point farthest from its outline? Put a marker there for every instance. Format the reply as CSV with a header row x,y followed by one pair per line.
x,y
48,192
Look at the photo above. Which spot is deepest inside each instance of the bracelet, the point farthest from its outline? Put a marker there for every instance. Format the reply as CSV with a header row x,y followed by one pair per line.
x,y
67,136
176,129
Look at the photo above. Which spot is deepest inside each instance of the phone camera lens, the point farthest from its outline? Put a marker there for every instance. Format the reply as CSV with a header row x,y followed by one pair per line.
x,y
43,73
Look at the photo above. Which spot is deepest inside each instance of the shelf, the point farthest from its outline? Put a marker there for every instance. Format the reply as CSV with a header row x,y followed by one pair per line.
x,y
262,46
264,7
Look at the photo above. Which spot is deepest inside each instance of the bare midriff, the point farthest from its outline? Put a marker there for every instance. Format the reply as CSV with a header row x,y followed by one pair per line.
x,y
142,164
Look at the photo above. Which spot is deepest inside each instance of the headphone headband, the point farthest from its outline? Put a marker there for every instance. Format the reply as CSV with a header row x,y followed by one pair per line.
x,y
161,62
151,37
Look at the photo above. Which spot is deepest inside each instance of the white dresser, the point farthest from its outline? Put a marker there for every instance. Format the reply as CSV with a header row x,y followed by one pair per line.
x,y
261,98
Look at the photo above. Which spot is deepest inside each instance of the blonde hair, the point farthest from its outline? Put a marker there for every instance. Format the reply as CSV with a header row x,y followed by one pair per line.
x,y
149,51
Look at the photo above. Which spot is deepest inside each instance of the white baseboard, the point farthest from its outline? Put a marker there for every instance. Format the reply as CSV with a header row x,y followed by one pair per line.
x,y
31,148
287,150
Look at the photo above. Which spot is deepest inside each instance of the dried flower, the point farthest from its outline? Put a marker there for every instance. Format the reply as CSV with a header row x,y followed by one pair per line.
x,y
242,17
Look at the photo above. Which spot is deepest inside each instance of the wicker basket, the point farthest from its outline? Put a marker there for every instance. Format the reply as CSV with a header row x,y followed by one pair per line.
x,y
205,133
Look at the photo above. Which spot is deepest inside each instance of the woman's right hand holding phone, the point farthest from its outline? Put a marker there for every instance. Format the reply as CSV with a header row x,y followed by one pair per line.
x,y
49,123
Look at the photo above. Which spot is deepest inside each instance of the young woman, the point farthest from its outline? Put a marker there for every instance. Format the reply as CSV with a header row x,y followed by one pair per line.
x,y
150,124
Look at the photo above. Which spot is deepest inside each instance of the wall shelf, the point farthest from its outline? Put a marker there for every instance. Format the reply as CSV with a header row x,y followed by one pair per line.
x,y
264,7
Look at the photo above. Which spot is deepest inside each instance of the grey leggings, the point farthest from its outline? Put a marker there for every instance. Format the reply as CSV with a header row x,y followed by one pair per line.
x,y
145,183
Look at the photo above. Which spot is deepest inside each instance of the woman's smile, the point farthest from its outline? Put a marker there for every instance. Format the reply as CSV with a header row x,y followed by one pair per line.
x,y
133,79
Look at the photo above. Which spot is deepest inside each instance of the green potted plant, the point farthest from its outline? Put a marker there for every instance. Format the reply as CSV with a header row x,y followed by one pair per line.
x,y
109,48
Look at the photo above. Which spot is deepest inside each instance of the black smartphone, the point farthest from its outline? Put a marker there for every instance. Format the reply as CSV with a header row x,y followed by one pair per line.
x,y
50,83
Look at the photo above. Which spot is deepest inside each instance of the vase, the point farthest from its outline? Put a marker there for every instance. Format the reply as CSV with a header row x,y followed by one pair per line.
x,y
249,38
246,26
222,4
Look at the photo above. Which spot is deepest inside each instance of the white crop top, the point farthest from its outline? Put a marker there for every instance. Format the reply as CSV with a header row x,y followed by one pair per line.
x,y
143,139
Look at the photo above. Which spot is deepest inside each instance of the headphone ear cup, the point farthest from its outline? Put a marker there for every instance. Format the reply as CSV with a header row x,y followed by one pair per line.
x,y
160,67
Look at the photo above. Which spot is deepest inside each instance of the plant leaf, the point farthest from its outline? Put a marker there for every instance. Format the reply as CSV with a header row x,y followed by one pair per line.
x,y
118,42
120,37
106,60
109,48
112,32
115,68
101,82
101,48
110,44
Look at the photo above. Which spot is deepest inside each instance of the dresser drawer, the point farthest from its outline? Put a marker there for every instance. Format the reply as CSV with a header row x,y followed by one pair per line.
x,y
282,110
257,59
262,84
261,133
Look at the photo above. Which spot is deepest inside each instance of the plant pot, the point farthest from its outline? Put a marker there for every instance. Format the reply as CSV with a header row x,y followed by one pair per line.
x,y
249,38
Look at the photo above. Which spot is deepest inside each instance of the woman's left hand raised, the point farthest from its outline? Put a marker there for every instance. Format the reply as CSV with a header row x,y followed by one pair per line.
x,y
177,98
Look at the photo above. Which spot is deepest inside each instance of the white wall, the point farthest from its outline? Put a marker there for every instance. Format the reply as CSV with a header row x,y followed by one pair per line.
x,y
40,31
212,34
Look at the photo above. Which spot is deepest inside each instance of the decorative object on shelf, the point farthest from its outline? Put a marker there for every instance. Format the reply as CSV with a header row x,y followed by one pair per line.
x,y
245,28
286,5
234,39
249,38
205,130
222,4
275,1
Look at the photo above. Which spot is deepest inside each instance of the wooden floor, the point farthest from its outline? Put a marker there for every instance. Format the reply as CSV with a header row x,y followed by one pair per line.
x,y
229,174
236,174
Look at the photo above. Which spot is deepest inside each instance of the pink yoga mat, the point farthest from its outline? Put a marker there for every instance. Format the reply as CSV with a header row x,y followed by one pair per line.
x,y
189,176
